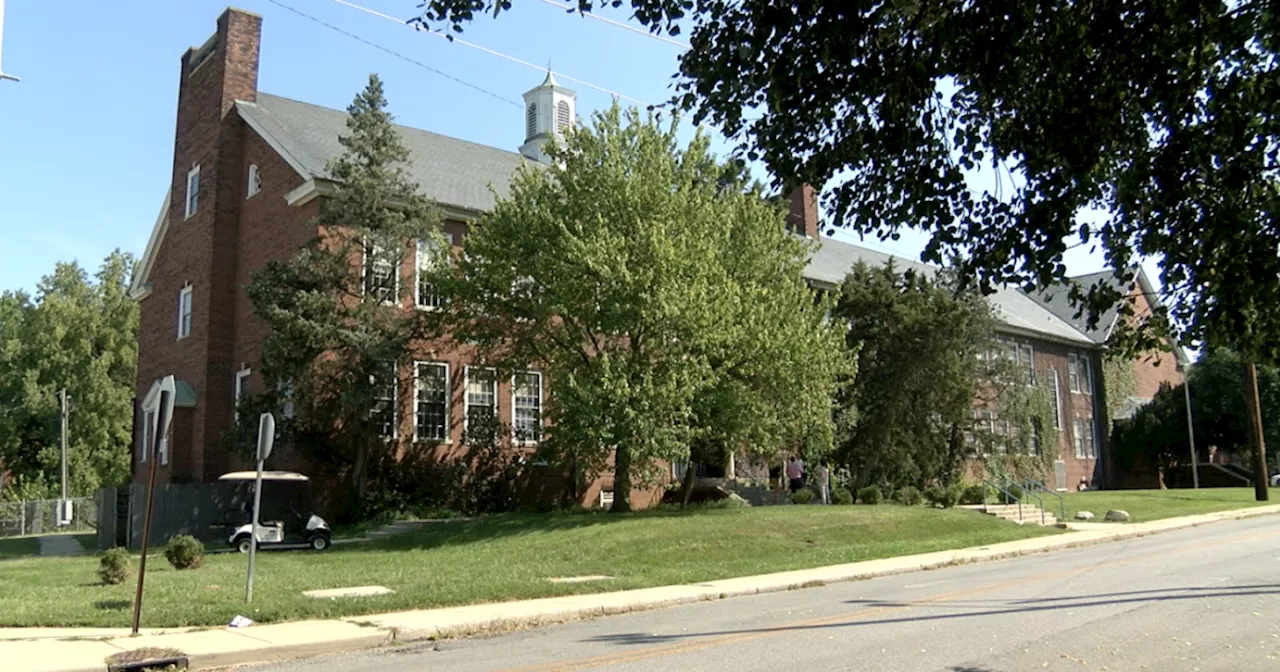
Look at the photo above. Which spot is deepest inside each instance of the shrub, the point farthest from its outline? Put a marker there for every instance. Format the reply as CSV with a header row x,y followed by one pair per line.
x,y
802,496
909,496
842,496
870,495
1016,491
974,494
184,552
113,569
946,497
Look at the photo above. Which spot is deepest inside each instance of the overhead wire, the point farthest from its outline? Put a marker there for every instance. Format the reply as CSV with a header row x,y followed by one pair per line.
x,y
591,15
397,54
417,27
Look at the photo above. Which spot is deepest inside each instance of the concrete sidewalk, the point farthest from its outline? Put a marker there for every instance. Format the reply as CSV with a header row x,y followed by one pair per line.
x,y
76,650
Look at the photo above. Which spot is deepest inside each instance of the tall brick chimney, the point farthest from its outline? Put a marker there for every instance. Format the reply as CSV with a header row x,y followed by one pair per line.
x,y
803,215
213,77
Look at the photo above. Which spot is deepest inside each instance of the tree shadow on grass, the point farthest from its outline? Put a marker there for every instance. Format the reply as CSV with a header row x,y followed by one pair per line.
x,y
113,605
488,528
964,610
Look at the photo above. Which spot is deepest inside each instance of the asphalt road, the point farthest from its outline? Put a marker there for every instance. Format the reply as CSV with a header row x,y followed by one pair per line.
x,y
1207,598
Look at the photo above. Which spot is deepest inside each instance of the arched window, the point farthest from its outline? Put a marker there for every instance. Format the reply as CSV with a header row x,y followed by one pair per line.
x,y
531,121
563,118
255,181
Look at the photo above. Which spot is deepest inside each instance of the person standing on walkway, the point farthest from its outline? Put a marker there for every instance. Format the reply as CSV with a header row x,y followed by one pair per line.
x,y
824,481
795,473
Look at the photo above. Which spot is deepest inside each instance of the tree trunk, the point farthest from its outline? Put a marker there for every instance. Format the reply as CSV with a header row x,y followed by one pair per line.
x,y
1255,432
686,486
621,481
360,475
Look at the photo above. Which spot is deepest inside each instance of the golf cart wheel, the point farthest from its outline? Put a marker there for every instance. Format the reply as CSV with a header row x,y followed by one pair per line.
x,y
320,542
242,544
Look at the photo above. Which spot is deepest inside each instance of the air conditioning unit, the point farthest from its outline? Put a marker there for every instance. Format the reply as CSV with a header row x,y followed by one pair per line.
x,y
606,499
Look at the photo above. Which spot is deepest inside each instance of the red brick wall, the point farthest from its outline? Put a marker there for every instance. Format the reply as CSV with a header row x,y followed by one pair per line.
x,y
1151,369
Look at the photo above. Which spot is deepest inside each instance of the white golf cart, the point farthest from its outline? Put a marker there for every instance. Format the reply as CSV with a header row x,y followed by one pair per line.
x,y
286,519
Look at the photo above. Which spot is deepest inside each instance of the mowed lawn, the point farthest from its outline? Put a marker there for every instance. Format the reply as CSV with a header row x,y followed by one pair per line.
x,y
495,559
22,547
1148,505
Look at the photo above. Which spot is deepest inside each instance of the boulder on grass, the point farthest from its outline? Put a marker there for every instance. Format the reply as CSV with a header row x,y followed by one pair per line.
x,y
1084,515
1117,516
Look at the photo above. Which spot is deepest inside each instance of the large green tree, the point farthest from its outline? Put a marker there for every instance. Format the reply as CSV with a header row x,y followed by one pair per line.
x,y
933,385
1156,117
79,333
339,326
665,305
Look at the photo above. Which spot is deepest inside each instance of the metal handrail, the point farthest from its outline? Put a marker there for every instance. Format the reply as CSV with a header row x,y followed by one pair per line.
x,y
1009,496
1039,485
1039,501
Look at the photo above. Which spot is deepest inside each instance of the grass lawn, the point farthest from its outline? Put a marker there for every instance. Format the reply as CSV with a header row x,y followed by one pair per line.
x,y
494,559
1147,505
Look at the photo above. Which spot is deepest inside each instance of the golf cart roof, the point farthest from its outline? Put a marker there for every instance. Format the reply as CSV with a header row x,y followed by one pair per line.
x,y
266,476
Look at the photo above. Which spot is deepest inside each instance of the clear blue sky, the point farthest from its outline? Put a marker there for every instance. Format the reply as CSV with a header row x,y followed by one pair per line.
x,y
86,138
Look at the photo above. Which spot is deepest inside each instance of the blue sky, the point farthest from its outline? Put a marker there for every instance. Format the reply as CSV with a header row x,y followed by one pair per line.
x,y
86,138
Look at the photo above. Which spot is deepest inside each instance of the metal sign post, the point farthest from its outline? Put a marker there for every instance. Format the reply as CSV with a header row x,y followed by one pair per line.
x,y
266,439
162,405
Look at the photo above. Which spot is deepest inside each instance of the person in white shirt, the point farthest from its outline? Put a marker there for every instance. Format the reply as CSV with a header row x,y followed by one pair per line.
x,y
795,473
824,481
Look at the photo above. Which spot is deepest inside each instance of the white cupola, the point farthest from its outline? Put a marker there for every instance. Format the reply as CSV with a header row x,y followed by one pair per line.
x,y
548,111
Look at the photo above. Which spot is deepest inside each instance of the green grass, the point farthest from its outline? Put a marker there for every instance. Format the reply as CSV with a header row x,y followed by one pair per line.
x,y
22,547
494,559
1148,505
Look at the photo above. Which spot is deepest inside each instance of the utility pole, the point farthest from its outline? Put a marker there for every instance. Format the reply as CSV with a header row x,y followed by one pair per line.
x,y
1255,431
3,76
1191,432
62,418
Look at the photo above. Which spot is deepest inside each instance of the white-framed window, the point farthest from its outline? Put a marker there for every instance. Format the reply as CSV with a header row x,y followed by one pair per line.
x,y
237,393
431,401
1036,435
526,406
184,312
1055,397
193,192
482,394
254,184
382,413
1027,360
381,272
425,294
1084,438
531,120
1078,374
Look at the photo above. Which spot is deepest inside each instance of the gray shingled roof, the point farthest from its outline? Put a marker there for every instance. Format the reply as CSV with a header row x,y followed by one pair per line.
x,y
1057,299
833,259
450,171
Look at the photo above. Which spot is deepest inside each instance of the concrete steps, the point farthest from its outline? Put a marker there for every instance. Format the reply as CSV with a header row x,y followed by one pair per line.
x,y
1030,514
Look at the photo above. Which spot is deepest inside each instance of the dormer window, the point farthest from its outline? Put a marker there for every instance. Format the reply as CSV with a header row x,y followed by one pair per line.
x,y
563,116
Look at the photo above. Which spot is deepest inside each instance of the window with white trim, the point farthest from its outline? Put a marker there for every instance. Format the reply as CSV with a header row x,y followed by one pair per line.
x,y
482,394
426,295
255,181
382,413
1078,374
531,120
526,406
431,401
1055,397
184,312
237,393
563,117
1084,438
193,192
381,276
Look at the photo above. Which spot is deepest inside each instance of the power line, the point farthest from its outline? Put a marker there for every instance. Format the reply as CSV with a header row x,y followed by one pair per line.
x,y
397,54
421,29
619,24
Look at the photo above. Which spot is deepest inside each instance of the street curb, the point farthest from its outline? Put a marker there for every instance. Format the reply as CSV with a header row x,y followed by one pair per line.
x,y
277,654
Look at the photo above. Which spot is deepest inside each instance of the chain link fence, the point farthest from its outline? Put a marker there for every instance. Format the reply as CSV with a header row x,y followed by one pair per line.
x,y
40,516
